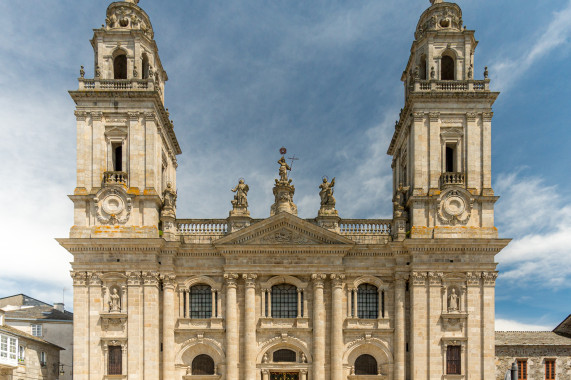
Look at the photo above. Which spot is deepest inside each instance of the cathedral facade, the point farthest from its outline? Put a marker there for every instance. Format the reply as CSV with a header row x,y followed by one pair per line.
x,y
161,297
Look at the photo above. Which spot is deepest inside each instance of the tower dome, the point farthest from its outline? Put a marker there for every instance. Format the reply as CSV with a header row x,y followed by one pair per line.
x,y
441,16
127,15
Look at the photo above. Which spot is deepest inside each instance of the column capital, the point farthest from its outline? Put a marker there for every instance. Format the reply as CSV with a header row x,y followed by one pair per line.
x,y
168,281
418,116
471,116
150,278
79,278
230,279
473,278
487,116
401,277
250,279
94,278
318,279
337,280
489,278
434,116
97,115
435,278
81,115
418,278
133,278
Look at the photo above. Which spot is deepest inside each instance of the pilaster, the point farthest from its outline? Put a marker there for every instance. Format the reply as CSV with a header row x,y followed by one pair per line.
x,y
434,306
151,325
488,319
134,326
419,328
81,324
434,167
473,153
95,307
474,326
487,154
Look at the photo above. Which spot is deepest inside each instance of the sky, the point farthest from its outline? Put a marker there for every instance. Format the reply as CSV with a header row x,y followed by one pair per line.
x,y
321,78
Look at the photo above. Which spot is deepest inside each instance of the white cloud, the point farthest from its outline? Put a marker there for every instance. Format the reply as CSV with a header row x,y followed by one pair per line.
x,y
511,325
539,219
556,34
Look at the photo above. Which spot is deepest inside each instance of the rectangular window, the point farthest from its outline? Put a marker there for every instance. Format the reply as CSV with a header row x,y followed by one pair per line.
x,y
37,330
117,157
453,361
21,354
449,159
43,360
115,360
521,369
13,348
549,369
4,346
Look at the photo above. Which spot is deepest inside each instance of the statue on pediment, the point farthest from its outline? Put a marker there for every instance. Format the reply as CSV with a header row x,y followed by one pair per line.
x,y
241,197
284,167
326,193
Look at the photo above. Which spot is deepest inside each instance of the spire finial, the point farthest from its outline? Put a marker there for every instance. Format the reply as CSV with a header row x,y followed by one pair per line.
x,y
435,1
132,1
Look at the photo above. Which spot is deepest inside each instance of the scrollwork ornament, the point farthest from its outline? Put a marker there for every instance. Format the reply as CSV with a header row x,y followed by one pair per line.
x,y
337,280
150,278
231,279
94,278
133,278
435,278
250,279
169,280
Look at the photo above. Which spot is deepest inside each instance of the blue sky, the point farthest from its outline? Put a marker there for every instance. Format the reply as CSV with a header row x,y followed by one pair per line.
x,y
321,78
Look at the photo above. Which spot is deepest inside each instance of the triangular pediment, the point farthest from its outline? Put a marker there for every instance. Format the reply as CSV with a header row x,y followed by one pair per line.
x,y
283,229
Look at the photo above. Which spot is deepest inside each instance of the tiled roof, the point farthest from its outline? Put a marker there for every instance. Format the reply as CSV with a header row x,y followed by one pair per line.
x,y
20,333
40,313
564,327
531,338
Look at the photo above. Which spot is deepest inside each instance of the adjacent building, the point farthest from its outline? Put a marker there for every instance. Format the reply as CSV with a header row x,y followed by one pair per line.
x,y
157,296
51,323
540,355
26,357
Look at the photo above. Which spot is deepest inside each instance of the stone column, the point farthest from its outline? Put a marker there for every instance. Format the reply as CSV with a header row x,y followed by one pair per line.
x,y
250,343
213,302
318,327
305,312
400,287
219,304
265,374
337,326
134,326
232,338
81,323
355,298
349,293
168,326
151,325
269,303
303,374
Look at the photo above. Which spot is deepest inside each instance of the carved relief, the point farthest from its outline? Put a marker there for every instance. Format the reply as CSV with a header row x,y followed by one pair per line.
x,y
454,206
285,236
112,206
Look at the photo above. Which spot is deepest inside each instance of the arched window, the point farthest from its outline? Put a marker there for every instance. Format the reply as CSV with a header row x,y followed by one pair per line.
x,y
200,301
145,66
447,69
284,301
120,66
366,365
422,67
284,356
367,301
203,365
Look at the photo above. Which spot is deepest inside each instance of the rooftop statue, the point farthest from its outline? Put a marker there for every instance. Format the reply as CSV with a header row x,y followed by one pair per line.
x,y
326,193
284,167
241,190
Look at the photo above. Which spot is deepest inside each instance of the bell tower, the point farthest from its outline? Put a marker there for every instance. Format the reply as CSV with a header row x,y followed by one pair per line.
x,y
441,146
126,145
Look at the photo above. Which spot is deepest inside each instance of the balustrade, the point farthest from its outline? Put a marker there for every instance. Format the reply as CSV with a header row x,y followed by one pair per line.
x,y
202,226
116,84
452,178
115,178
450,85
365,226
